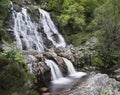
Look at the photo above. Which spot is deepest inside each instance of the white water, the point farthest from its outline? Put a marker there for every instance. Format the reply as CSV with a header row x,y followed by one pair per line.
x,y
71,70
25,32
50,29
27,37
55,71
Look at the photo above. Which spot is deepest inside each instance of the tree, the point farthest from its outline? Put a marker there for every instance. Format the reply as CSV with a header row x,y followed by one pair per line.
x,y
107,18
13,73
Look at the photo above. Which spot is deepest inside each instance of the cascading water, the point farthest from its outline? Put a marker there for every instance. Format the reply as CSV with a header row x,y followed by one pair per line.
x,y
50,29
28,37
25,32
71,69
55,71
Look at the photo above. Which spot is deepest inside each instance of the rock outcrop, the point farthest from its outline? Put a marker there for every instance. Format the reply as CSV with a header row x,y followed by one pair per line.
x,y
95,84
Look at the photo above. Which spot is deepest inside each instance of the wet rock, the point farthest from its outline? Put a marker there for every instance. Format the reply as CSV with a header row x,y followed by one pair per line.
x,y
5,47
47,42
98,84
59,60
61,65
29,59
65,53
39,57
40,68
42,73
17,8
30,52
59,49
48,55
42,90
117,74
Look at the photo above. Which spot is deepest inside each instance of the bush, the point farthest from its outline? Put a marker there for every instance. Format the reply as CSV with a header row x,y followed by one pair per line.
x,y
14,55
79,38
12,77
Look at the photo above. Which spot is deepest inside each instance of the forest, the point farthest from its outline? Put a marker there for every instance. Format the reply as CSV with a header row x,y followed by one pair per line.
x,y
78,21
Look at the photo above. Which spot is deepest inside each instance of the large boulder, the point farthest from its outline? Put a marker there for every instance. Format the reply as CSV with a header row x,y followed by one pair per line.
x,y
29,59
65,52
43,75
117,74
97,84
61,65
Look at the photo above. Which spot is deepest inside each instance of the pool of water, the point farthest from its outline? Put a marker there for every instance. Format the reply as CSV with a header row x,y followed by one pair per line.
x,y
66,84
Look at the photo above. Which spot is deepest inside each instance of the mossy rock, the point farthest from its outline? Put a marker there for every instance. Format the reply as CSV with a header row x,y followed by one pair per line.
x,y
3,34
34,12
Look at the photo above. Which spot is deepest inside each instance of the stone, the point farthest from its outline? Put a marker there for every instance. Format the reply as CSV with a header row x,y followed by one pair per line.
x,y
42,73
59,60
40,68
29,59
61,65
17,8
98,84
117,74
48,55
30,52
39,57
59,49
43,89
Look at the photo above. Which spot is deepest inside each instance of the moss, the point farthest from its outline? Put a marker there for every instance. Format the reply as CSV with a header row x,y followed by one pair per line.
x,y
34,12
3,35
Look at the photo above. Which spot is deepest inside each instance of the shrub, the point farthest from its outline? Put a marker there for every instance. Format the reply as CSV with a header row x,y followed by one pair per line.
x,y
14,55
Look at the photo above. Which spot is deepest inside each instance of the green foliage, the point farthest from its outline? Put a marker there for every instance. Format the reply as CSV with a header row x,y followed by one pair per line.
x,y
12,77
72,15
1,49
3,10
14,55
107,20
3,61
3,14
3,35
75,16
79,38
33,92
34,12
106,91
97,60
13,73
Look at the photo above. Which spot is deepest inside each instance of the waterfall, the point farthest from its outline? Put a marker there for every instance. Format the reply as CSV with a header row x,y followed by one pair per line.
x,y
25,32
50,30
57,74
71,69
55,71
28,37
